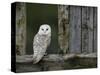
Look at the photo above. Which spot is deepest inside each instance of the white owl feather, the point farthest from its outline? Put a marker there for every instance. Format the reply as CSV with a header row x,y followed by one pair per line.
x,y
41,42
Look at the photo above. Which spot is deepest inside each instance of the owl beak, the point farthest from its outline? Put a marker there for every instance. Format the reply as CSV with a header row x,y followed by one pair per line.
x,y
44,31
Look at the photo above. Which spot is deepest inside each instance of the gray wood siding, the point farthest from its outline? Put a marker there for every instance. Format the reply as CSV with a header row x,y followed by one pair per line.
x,y
82,29
90,29
75,29
95,29
87,29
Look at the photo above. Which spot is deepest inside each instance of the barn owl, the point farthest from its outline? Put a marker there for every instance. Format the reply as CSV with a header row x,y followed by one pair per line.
x,y
40,42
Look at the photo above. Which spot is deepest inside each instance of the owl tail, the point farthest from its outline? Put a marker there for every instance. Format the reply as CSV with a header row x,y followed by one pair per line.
x,y
37,58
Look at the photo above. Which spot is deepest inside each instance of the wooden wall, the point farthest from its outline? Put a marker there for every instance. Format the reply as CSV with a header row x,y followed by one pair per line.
x,y
76,29
20,28
80,28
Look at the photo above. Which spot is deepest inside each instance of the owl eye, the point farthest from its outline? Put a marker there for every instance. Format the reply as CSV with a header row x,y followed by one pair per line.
x,y
46,29
42,29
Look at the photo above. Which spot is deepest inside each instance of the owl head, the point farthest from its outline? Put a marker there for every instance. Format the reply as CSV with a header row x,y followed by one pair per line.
x,y
44,29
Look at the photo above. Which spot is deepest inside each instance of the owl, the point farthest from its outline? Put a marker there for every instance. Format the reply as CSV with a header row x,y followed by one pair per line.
x,y
40,42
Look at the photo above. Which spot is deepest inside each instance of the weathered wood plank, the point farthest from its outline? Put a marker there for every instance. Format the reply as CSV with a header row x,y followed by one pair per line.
x,y
95,30
54,57
75,29
63,27
90,29
84,30
87,29
53,62
20,28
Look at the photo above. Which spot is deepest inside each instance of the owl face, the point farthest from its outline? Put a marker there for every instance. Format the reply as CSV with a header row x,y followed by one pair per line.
x,y
44,30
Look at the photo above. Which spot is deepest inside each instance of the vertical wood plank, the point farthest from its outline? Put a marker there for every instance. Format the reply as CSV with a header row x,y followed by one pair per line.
x,y
75,29
20,28
84,30
90,29
63,27
87,29
95,29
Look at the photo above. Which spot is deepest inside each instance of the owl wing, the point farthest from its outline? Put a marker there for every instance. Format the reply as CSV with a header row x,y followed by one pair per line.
x,y
39,48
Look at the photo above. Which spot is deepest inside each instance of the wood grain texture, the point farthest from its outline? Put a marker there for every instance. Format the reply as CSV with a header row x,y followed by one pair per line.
x,y
87,29
95,29
75,29
63,27
90,29
20,28
54,57
84,30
